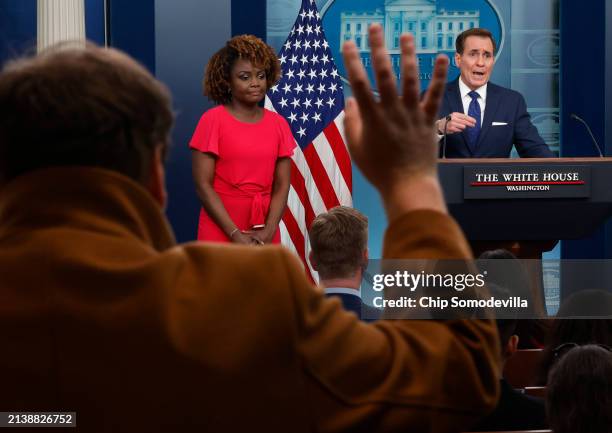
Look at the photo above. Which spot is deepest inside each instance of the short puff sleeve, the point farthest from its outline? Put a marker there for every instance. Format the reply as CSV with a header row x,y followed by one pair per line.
x,y
286,143
206,135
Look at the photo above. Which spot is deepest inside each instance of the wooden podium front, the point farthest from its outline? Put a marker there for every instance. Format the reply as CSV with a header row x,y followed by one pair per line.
x,y
527,222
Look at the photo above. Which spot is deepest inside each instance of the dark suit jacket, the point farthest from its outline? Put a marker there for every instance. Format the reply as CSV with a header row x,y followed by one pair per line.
x,y
502,105
354,303
103,314
515,411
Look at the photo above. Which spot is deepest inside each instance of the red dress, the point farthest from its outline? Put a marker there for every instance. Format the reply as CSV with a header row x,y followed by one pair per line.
x,y
246,155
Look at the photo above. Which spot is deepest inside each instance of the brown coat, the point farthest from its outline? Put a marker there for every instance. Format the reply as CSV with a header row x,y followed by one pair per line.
x,y
101,313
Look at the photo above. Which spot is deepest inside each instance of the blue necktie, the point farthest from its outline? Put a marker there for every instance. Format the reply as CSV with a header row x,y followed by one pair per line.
x,y
473,111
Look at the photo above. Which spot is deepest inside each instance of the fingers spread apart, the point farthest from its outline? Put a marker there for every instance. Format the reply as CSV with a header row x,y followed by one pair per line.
x,y
360,84
433,96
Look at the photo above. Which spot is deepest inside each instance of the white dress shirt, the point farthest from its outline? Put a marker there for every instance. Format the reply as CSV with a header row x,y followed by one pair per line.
x,y
466,99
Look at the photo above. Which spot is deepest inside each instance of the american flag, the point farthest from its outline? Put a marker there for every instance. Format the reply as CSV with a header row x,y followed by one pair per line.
x,y
309,95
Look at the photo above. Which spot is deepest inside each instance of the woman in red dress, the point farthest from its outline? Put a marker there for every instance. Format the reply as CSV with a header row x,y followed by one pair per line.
x,y
240,151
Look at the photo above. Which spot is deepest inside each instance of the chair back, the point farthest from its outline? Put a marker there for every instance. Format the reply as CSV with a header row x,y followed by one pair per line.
x,y
521,369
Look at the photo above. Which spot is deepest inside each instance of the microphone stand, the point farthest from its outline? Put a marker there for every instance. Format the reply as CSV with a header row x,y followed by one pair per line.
x,y
581,120
447,119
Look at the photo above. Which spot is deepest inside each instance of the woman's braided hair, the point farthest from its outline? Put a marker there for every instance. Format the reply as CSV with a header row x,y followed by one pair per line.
x,y
216,81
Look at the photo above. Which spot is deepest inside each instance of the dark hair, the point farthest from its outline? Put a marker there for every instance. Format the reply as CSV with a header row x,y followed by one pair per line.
x,y
579,331
477,31
505,269
579,394
510,273
506,327
217,79
499,253
87,106
338,239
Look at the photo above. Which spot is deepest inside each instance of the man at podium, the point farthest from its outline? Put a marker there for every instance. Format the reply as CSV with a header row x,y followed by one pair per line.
x,y
481,119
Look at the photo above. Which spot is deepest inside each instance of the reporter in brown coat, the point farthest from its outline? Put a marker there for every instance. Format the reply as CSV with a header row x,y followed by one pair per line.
x,y
103,314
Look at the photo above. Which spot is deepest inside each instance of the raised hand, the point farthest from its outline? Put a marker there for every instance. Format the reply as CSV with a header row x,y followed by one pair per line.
x,y
392,140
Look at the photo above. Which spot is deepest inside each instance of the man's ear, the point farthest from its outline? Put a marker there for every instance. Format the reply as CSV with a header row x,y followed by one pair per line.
x,y
312,260
512,346
157,177
365,257
458,59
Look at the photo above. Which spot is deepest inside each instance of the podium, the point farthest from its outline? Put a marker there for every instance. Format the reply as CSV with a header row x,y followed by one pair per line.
x,y
527,205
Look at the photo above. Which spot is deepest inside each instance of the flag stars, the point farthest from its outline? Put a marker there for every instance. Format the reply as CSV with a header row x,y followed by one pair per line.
x,y
312,73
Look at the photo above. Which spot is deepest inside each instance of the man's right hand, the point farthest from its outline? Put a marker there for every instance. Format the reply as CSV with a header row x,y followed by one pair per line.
x,y
457,123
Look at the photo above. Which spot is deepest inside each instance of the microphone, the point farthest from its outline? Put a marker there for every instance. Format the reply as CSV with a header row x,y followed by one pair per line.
x,y
581,120
447,119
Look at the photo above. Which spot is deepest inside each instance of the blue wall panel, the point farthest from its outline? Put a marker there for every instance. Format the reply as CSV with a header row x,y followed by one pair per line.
x,y
17,28
583,48
583,82
249,17
94,21
132,29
